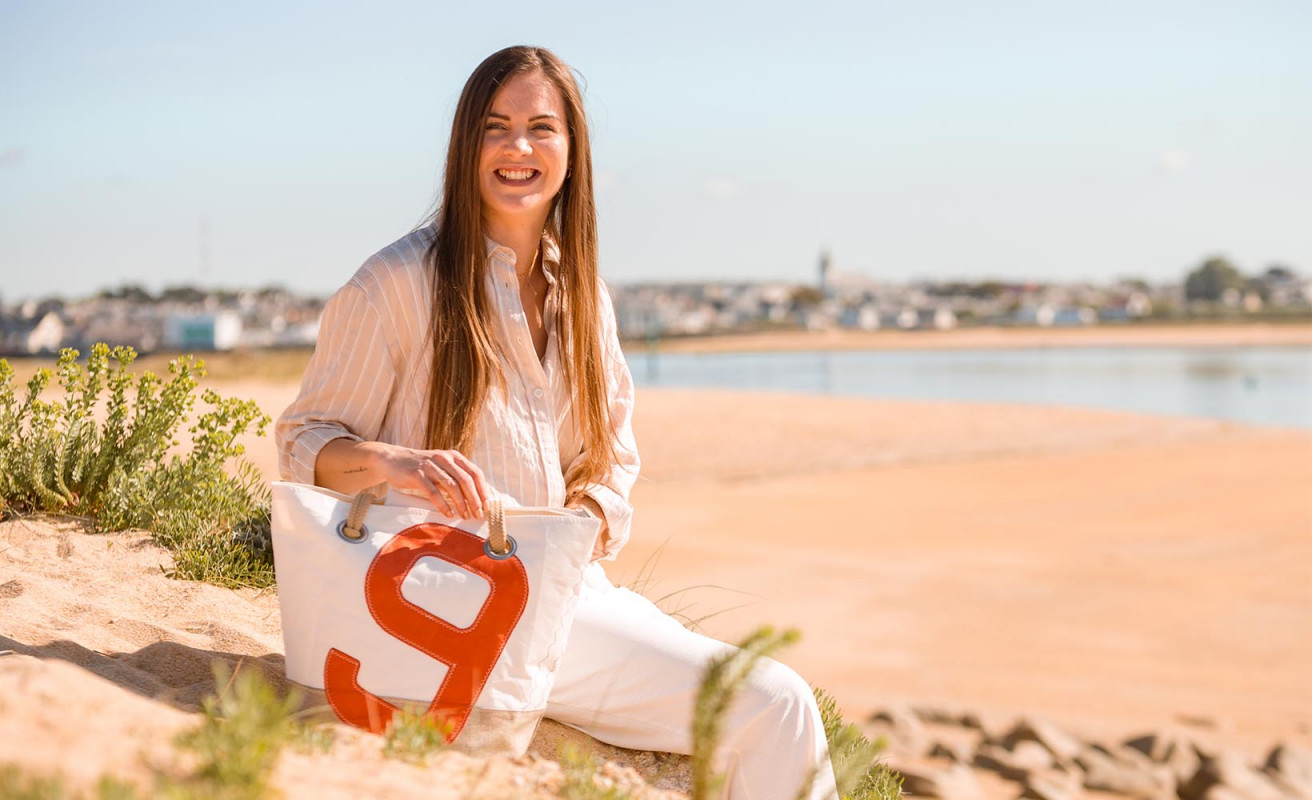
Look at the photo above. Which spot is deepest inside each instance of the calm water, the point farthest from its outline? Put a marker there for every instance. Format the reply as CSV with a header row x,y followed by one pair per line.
x,y
1257,385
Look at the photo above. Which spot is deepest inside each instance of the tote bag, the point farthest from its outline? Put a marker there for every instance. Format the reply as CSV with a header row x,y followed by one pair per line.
x,y
386,604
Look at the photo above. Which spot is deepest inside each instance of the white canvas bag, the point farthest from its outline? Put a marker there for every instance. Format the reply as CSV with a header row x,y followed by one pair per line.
x,y
387,604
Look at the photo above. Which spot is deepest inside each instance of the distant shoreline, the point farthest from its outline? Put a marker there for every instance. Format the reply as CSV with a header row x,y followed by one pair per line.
x,y
1193,335
287,365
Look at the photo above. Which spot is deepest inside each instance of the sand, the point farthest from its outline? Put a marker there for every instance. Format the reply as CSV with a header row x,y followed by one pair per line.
x,y
1112,572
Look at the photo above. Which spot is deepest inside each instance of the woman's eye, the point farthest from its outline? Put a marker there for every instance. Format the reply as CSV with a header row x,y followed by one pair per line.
x,y
494,126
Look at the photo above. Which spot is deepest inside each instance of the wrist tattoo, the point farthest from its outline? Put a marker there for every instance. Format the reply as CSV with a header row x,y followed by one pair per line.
x,y
354,471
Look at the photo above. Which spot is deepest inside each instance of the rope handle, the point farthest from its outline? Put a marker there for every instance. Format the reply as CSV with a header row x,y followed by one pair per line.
x,y
497,539
354,530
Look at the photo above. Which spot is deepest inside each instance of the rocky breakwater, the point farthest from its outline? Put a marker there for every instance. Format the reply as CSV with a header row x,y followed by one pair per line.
x,y
957,754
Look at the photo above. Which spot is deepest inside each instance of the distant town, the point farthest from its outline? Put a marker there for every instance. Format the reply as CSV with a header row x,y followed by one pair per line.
x,y
192,319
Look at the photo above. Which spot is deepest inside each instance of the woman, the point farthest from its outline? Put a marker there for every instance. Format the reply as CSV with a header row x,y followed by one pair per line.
x,y
480,354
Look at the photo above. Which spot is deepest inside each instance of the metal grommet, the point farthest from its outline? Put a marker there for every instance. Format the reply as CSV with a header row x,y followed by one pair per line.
x,y
487,548
364,533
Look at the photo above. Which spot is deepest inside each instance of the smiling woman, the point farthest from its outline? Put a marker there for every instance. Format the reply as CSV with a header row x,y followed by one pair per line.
x,y
479,357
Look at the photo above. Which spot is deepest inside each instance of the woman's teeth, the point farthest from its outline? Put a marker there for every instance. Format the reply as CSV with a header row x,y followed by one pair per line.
x,y
516,174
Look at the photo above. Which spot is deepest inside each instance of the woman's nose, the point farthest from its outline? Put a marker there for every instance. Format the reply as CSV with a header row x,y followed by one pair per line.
x,y
520,144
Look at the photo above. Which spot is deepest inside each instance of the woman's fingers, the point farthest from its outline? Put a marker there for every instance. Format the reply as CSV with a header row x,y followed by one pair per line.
x,y
465,491
481,488
447,480
431,482
453,483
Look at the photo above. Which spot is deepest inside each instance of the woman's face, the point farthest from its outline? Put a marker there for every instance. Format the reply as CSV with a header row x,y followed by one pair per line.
x,y
525,151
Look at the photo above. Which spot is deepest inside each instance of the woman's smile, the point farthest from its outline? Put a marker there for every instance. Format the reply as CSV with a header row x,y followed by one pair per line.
x,y
517,177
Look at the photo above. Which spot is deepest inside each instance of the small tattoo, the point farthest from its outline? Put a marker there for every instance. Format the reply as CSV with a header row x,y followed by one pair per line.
x,y
353,471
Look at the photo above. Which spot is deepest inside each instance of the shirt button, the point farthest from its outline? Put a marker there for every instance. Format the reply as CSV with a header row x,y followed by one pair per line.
x,y
537,393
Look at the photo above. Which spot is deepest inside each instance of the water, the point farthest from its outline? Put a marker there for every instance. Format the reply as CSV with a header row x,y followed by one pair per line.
x,y
1257,385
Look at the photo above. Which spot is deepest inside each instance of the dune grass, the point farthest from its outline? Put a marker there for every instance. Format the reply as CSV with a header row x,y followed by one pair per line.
x,y
107,451
414,737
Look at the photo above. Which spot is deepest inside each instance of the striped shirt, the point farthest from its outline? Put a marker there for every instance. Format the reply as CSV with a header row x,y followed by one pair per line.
x,y
368,381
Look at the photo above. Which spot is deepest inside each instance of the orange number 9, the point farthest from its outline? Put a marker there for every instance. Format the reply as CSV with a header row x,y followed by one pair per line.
x,y
470,653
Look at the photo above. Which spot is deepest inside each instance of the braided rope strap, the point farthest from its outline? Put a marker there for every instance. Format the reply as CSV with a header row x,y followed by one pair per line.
x,y
496,527
353,528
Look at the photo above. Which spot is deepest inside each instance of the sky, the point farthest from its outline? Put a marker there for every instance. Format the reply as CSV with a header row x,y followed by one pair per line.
x,y
242,144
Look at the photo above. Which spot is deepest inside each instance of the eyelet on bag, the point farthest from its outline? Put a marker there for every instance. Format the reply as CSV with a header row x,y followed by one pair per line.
x,y
487,548
364,533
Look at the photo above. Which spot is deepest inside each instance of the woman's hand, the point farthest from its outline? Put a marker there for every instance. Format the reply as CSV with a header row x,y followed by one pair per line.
x,y
447,478
450,481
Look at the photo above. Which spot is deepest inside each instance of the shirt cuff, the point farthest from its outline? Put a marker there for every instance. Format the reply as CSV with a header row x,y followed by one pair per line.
x,y
619,519
305,451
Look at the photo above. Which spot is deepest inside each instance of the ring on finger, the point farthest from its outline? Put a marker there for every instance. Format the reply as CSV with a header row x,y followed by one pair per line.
x,y
444,478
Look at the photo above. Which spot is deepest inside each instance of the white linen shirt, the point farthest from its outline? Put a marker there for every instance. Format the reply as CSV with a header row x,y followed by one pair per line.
x,y
368,381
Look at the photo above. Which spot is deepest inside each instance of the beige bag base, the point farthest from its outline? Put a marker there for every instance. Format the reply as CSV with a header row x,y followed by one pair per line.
x,y
487,731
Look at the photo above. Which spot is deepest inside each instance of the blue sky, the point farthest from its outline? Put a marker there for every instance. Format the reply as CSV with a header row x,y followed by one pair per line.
x,y
240,144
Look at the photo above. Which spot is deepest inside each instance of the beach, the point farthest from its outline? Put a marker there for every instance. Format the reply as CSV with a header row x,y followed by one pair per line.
x,y
1116,573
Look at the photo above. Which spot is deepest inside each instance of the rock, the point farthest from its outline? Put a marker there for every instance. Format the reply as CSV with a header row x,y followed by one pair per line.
x,y
1104,773
943,715
1051,785
1290,768
956,782
1004,763
1032,755
902,728
960,752
937,715
1060,744
1230,770
1180,754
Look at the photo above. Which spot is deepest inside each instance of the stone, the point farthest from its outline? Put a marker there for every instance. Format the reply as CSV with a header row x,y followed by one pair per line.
x,y
1104,773
1051,785
937,715
1032,755
1290,768
995,759
1230,770
944,715
960,752
1182,755
1062,745
902,729
970,719
956,782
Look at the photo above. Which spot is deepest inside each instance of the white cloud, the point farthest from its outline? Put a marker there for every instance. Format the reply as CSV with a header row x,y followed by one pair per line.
x,y
721,188
1175,161
12,157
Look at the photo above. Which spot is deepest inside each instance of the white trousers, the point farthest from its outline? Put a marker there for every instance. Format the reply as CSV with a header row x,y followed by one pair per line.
x,y
629,677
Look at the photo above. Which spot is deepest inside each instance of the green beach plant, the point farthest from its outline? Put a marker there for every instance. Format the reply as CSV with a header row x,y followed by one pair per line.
x,y
242,731
105,450
15,784
857,773
413,736
582,779
723,679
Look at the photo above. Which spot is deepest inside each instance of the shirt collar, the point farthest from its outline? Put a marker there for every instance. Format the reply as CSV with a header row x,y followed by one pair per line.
x,y
550,255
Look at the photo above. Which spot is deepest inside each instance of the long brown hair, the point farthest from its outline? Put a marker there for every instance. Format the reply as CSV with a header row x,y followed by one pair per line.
x,y
464,347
